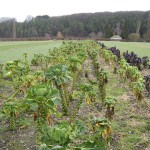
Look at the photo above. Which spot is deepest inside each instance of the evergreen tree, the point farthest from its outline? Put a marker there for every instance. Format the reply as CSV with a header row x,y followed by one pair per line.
x,y
148,27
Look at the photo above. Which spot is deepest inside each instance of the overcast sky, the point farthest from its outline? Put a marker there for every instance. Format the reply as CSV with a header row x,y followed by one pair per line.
x,y
20,9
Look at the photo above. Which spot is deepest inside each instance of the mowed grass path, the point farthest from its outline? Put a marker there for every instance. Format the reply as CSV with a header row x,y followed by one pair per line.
x,y
15,50
142,49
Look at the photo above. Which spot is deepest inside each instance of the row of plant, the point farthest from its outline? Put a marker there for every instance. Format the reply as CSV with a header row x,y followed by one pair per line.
x,y
49,87
132,58
127,72
102,80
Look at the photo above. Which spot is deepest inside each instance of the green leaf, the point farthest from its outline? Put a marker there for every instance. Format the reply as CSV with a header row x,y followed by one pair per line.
x,y
58,147
90,145
43,147
53,92
57,101
1,115
34,106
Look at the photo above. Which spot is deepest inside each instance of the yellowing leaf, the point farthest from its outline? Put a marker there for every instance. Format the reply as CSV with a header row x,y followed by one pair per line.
x,y
49,119
97,125
5,111
88,100
104,134
17,114
109,130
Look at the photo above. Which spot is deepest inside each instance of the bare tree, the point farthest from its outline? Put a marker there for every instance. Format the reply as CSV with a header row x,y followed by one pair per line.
x,y
13,28
118,29
92,35
138,26
99,34
29,18
59,35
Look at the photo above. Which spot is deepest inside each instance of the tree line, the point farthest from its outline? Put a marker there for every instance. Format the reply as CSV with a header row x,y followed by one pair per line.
x,y
93,25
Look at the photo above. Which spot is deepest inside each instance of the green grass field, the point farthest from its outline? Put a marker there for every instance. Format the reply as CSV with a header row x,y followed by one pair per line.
x,y
15,50
142,49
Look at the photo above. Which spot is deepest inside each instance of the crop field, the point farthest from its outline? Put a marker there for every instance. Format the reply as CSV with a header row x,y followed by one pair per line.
x,y
73,95
142,49
15,50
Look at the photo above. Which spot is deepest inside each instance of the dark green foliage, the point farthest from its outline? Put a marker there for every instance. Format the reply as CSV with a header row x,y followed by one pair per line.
x,y
148,27
77,25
